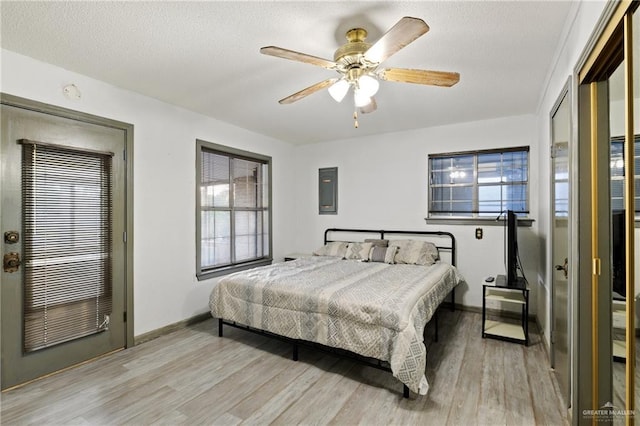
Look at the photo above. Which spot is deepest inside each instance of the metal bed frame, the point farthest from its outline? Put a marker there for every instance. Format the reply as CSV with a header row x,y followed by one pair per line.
x,y
451,247
370,362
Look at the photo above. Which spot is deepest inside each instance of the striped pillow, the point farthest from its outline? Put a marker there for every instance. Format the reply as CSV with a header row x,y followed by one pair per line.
x,y
382,254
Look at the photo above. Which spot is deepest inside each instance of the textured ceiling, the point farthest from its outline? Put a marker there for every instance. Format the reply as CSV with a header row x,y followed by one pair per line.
x,y
204,56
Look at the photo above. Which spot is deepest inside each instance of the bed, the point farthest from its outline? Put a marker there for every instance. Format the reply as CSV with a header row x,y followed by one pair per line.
x,y
350,298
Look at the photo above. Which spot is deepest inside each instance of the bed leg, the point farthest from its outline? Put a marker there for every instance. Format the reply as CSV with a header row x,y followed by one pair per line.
x,y
405,391
295,351
436,320
219,327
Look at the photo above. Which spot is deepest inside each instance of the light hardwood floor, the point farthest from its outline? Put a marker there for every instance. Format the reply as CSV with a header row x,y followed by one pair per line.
x,y
192,377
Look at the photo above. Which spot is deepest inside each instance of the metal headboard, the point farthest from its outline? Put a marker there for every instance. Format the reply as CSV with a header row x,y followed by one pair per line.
x,y
450,247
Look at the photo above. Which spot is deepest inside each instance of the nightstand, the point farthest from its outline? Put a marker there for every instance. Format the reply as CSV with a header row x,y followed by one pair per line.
x,y
500,329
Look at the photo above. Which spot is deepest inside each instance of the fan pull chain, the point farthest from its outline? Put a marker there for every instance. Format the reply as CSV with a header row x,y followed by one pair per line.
x,y
355,119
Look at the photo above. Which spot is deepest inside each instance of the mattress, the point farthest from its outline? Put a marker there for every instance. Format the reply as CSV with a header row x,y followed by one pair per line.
x,y
377,310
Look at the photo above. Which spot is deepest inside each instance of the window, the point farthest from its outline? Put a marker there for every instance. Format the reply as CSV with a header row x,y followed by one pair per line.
x,y
234,210
479,184
560,157
617,173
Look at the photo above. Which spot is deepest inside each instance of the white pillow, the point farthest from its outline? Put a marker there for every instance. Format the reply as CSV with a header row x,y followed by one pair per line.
x,y
415,252
333,248
377,242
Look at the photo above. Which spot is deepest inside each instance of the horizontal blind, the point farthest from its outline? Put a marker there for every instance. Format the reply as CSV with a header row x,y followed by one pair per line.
x,y
67,215
234,209
479,183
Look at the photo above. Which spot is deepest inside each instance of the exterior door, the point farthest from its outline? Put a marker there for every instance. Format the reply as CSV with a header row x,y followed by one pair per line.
x,y
560,211
62,223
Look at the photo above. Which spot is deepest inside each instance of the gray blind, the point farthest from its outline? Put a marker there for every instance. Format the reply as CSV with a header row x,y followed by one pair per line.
x,y
479,183
67,215
234,210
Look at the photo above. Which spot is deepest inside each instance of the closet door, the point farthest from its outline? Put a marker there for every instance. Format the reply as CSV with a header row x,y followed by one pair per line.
x,y
560,217
604,378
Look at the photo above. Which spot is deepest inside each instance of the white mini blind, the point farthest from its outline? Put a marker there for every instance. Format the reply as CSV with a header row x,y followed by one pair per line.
x,y
67,221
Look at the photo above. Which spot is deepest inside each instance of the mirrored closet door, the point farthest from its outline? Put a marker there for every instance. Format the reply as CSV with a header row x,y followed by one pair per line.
x,y
621,300
609,172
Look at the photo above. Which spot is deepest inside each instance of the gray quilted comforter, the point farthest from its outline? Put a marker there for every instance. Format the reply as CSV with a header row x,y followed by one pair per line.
x,y
373,309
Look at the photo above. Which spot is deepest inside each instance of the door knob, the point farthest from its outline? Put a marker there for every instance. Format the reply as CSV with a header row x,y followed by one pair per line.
x,y
11,262
564,267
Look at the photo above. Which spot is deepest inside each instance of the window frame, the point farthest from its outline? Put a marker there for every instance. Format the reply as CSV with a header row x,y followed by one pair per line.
x,y
524,220
215,271
619,140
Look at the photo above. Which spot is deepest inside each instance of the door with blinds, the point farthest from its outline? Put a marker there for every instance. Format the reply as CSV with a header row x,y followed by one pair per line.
x,y
63,214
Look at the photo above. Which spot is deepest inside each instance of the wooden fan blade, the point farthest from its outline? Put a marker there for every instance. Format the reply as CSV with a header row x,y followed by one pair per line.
x,y
308,91
401,34
432,78
369,108
279,52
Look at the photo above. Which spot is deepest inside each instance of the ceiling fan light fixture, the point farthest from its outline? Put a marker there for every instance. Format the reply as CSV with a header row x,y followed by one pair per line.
x,y
368,85
361,99
339,90
357,64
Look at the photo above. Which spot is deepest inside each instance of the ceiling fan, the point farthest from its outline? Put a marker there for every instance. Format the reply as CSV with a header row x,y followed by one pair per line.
x,y
357,63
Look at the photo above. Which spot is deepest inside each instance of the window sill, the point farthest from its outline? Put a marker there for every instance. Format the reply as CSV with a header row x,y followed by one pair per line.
x,y
522,222
212,273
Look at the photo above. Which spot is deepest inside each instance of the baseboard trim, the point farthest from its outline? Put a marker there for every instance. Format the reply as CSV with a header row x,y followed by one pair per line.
x,y
546,344
154,334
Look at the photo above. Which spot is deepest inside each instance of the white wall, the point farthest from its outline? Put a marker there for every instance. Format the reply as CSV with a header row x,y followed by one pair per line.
x,y
382,184
165,290
382,180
